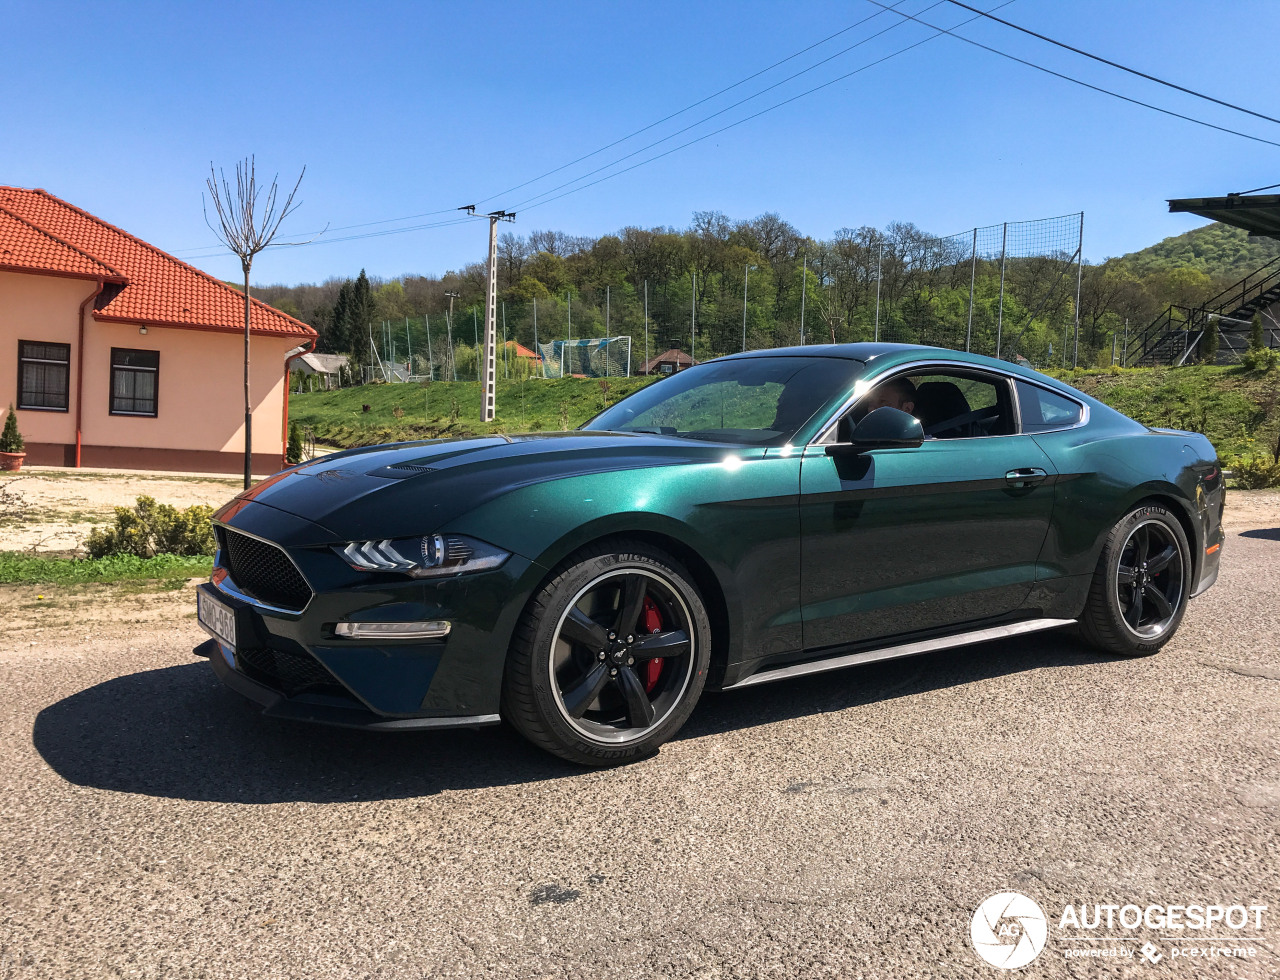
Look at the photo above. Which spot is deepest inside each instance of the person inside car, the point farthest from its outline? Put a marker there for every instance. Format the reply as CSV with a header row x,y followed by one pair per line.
x,y
897,393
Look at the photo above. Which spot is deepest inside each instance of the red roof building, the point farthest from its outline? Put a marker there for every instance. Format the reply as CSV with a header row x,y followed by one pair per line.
x,y
668,362
126,356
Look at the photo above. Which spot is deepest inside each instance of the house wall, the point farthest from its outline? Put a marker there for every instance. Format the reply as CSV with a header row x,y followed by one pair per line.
x,y
46,308
199,424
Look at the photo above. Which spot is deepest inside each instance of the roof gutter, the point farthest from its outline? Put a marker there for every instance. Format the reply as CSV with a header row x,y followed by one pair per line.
x,y
102,284
284,434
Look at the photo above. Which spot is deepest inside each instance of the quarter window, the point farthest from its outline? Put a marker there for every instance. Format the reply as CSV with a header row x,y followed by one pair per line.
x,y
44,374
134,376
1042,410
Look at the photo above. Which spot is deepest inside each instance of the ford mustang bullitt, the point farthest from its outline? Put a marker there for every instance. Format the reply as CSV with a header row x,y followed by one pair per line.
x,y
753,518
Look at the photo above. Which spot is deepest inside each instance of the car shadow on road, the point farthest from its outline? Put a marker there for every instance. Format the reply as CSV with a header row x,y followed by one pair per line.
x,y
177,733
1268,533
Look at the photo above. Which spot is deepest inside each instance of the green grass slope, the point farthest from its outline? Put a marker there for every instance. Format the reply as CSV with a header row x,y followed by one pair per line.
x,y
1238,410
399,412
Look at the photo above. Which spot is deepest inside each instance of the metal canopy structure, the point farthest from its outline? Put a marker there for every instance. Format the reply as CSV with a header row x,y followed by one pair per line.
x,y
1258,214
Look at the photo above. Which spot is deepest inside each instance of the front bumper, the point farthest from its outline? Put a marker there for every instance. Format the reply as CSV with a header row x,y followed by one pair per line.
x,y
320,708
295,665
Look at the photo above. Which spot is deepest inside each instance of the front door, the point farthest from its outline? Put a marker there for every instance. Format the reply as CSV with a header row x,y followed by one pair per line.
x,y
897,541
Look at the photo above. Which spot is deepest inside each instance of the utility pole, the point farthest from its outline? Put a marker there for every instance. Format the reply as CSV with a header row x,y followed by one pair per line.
x,y
488,374
745,269
538,360
448,322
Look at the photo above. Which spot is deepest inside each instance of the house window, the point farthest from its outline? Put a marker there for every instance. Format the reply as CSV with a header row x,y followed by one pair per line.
x,y
667,368
134,374
44,375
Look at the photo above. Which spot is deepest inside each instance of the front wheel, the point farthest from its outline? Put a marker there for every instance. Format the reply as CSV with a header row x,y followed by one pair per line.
x,y
610,657
1141,586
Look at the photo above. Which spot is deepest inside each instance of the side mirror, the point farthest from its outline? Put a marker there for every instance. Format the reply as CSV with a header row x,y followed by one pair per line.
x,y
885,428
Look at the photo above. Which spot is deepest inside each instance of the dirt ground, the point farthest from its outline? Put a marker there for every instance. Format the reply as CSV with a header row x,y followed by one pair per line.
x,y
63,506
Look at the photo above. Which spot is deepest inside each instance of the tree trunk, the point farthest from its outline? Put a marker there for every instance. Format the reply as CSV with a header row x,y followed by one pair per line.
x,y
248,410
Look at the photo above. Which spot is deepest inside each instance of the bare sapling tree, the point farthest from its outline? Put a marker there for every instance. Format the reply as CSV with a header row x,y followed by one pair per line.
x,y
246,229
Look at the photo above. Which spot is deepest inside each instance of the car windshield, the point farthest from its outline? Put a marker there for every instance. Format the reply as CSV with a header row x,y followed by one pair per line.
x,y
758,401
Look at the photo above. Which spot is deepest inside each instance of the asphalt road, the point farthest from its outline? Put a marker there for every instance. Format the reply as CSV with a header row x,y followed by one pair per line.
x,y
152,825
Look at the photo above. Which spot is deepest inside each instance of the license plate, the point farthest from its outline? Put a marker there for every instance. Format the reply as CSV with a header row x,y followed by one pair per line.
x,y
216,618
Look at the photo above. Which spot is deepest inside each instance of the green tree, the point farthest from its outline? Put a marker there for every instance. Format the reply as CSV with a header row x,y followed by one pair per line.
x,y
1209,346
293,452
1255,333
11,440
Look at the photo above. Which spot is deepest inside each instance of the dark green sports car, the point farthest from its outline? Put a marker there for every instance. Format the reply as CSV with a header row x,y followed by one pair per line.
x,y
753,518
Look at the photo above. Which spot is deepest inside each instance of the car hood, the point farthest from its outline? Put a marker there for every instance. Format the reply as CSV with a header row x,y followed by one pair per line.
x,y
415,487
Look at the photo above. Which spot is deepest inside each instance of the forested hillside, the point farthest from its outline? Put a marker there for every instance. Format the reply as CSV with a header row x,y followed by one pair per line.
x,y
1217,250
593,287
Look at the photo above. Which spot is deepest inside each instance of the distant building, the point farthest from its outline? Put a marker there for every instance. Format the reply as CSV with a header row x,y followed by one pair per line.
x,y
126,357
667,363
329,367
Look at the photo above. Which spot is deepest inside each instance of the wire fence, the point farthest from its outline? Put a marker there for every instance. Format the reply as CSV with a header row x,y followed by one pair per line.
x,y
1008,290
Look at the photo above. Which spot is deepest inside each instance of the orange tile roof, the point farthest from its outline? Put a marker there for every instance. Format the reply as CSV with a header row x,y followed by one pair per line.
x,y
26,248
159,289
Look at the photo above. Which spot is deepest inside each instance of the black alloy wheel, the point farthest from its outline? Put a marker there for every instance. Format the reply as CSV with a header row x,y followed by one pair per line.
x,y
610,657
1140,588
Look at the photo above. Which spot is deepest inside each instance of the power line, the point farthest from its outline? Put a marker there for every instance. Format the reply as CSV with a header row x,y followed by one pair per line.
x,y
1113,64
777,105
1068,78
721,112
694,105
596,152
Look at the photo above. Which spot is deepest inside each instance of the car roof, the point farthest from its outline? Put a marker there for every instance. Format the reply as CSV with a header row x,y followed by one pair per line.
x,y
884,355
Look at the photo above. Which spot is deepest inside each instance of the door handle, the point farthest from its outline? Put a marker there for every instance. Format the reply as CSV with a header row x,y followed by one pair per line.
x,y
1028,476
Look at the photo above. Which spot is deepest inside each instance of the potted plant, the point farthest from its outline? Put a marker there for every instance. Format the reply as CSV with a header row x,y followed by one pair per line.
x,y
12,449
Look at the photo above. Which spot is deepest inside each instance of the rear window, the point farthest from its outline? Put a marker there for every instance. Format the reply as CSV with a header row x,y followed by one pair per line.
x,y
1042,409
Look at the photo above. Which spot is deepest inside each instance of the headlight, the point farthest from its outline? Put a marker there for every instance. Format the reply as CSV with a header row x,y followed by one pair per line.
x,y
425,557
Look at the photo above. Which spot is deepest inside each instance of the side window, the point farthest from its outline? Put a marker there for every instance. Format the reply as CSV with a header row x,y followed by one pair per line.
x,y
134,374
44,375
1042,409
949,405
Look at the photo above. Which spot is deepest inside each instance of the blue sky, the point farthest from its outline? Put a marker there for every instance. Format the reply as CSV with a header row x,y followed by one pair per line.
x,y
404,108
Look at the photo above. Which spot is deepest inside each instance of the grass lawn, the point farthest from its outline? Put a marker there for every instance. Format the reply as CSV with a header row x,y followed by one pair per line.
x,y
17,568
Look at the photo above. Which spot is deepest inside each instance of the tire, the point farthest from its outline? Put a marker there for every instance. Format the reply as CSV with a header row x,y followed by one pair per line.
x,y
577,680
1141,586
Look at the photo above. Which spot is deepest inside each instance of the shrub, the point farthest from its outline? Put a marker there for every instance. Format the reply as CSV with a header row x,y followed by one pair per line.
x,y
11,439
148,529
1260,359
293,452
1255,333
1257,471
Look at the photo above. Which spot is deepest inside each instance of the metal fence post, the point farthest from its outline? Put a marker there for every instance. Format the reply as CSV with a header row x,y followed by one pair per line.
x,y
1004,242
973,272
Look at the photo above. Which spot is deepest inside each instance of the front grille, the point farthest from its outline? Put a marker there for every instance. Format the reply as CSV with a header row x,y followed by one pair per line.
x,y
263,571
291,673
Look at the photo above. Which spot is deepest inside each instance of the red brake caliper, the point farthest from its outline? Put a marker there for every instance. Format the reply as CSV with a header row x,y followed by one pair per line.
x,y
651,621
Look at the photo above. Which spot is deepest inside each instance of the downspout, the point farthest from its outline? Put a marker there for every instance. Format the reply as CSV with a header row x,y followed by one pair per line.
x,y
284,435
80,364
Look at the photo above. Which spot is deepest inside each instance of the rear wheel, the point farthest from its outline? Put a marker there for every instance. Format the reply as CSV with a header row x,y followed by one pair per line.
x,y
610,657
1140,588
